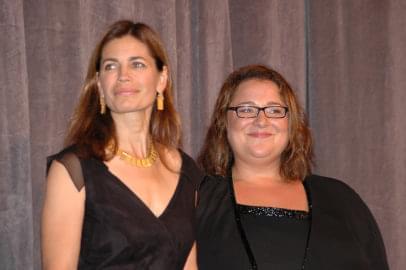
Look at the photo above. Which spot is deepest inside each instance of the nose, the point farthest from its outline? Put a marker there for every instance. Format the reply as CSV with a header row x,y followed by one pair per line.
x,y
261,119
123,75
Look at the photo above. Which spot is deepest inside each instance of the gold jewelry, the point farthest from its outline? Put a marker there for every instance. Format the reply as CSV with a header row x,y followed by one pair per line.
x,y
139,162
160,102
102,105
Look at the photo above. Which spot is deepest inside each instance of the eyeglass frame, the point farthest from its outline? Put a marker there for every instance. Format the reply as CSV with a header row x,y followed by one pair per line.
x,y
259,109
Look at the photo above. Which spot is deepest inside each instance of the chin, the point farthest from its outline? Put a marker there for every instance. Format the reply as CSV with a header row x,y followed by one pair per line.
x,y
261,154
262,157
264,152
130,108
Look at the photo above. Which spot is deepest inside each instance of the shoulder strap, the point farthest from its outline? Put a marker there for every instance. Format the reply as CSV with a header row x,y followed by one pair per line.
x,y
244,239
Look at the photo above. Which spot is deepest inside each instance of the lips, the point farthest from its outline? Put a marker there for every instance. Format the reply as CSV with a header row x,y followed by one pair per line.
x,y
125,92
260,134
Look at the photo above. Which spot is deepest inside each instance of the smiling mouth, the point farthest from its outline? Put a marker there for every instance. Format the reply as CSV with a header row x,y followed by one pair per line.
x,y
126,92
260,134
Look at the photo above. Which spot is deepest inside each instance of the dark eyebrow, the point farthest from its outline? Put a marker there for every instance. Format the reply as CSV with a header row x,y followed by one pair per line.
x,y
109,59
116,61
275,104
137,58
246,103
250,103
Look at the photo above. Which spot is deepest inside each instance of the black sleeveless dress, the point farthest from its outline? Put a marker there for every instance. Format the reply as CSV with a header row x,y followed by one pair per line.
x,y
120,231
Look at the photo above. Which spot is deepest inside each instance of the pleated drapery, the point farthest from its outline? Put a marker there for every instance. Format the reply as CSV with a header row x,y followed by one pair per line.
x,y
346,60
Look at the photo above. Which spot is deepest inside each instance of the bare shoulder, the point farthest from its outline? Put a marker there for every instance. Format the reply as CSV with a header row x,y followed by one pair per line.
x,y
58,175
61,191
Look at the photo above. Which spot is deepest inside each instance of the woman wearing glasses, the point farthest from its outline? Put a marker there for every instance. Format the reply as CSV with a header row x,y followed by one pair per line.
x,y
260,207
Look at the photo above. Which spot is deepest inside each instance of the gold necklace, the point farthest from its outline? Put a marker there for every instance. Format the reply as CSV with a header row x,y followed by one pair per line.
x,y
139,162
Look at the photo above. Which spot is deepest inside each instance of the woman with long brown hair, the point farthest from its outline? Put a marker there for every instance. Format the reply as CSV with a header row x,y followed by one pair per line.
x,y
260,207
121,195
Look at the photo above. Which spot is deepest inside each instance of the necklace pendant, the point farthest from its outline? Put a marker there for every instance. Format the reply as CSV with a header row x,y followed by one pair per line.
x,y
139,162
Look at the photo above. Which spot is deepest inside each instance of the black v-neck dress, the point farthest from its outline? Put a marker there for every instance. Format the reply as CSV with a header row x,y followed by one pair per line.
x,y
120,231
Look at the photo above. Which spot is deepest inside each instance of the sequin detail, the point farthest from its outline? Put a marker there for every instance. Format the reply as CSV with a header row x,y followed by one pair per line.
x,y
272,212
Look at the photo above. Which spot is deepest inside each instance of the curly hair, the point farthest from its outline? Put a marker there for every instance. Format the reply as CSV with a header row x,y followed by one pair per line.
x,y
90,131
216,155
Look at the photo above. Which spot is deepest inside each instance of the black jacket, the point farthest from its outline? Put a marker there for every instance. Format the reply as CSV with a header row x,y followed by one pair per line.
x,y
343,234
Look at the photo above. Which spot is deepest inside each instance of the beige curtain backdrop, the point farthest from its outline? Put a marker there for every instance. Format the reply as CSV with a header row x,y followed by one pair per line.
x,y
345,58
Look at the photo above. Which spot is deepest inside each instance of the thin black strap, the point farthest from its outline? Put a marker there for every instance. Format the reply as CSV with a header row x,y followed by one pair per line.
x,y
310,205
243,236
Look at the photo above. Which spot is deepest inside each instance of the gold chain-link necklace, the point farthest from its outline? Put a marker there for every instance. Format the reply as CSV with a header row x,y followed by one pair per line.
x,y
139,162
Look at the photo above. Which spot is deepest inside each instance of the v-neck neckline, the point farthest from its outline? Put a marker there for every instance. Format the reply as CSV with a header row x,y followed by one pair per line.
x,y
139,200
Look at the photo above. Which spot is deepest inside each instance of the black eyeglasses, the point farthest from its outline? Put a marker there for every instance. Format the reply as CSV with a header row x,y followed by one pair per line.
x,y
245,111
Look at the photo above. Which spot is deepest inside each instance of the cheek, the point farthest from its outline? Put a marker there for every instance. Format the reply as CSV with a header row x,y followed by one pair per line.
x,y
282,125
230,130
284,131
235,124
232,139
151,79
236,130
107,81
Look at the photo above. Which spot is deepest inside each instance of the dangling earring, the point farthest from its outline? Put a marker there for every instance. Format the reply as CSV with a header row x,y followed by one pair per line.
x,y
160,102
102,105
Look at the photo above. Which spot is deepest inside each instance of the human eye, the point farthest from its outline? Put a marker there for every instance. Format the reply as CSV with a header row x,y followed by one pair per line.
x,y
247,111
138,64
110,66
276,111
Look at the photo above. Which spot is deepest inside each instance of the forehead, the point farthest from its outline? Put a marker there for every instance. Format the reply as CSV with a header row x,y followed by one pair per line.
x,y
257,91
124,46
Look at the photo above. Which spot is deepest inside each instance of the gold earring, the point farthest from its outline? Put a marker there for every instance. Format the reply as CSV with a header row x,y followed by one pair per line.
x,y
102,105
160,102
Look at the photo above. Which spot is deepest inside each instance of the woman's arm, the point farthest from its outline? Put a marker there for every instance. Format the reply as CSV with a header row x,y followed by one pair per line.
x,y
191,262
371,239
62,220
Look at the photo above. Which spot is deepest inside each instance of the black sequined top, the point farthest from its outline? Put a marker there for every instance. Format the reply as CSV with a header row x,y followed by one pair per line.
x,y
272,212
276,236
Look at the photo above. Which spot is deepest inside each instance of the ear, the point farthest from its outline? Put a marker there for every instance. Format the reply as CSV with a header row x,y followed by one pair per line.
x,y
163,80
99,88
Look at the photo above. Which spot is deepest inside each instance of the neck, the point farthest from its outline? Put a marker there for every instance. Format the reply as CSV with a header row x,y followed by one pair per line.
x,y
132,131
256,173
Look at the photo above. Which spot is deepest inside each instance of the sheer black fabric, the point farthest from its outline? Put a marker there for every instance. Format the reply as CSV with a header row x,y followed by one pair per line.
x,y
120,231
